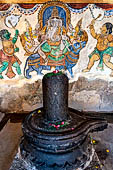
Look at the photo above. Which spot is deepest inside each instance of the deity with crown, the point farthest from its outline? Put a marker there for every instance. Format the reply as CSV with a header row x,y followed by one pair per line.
x,y
54,50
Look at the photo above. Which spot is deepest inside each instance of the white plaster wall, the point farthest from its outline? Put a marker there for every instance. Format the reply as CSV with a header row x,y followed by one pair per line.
x,y
13,91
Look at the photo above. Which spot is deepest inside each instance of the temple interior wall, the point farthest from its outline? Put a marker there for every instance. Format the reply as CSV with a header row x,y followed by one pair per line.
x,y
88,91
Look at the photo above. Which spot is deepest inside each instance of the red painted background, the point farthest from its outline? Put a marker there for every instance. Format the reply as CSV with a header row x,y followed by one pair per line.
x,y
73,5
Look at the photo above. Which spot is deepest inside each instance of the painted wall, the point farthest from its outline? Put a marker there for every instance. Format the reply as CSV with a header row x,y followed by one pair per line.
x,y
55,36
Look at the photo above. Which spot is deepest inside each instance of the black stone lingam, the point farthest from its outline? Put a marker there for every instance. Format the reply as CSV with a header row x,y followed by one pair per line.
x,y
56,137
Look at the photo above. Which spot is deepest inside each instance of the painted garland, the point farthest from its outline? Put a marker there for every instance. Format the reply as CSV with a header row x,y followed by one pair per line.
x,y
108,13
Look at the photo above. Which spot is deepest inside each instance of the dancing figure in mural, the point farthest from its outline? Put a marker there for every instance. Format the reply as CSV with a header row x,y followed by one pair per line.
x,y
8,58
104,47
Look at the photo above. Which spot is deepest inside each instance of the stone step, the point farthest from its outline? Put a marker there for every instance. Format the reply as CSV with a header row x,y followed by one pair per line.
x,y
10,136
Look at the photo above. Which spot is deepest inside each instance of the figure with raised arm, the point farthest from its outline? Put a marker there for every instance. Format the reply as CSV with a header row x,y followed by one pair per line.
x,y
104,47
8,59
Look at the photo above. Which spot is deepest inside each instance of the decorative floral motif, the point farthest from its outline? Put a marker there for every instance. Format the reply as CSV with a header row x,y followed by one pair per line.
x,y
39,111
56,72
58,125
94,142
21,10
78,11
107,150
96,167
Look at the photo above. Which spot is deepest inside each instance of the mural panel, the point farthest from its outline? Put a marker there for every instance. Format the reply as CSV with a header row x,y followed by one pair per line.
x,y
39,38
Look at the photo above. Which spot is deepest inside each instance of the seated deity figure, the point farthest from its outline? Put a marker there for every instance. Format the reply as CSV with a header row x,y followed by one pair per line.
x,y
59,46
53,50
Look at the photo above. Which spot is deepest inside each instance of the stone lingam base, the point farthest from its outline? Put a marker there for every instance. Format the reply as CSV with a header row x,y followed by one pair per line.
x,y
20,164
79,155
56,137
50,147
92,164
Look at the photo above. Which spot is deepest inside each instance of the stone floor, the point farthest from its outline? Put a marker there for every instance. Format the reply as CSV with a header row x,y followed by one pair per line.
x,y
11,133
104,147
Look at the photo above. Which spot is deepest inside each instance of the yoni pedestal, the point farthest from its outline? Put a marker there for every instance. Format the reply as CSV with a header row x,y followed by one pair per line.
x,y
55,137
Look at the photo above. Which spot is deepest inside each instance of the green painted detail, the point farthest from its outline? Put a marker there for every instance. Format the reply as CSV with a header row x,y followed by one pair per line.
x,y
27,34
14,40
64,50
46,47
56,59
15,37
58,125
108,51
17,66
7,35
17,32
55,51
100,65
55,46
67,44
16,49
1,77
4,66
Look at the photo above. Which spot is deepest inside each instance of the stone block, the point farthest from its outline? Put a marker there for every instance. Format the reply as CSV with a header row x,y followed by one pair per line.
x,y
9,140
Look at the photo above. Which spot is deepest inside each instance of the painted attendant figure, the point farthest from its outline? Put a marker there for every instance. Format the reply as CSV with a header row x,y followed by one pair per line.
x,y
7,56
104,47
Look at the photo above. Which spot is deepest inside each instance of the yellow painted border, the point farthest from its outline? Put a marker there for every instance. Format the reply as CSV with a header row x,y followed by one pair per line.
x,y
65,1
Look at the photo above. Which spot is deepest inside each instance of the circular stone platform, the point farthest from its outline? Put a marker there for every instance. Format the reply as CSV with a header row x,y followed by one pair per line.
x,y
44,146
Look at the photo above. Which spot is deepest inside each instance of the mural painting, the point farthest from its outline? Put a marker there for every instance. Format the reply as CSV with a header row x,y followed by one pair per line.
x,y
55,36
58,43
104,47
8,58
